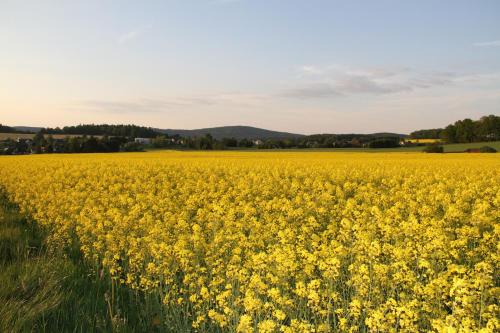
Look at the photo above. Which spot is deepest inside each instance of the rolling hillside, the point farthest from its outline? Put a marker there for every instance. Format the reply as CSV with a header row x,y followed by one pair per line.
x,y
237,132
27,128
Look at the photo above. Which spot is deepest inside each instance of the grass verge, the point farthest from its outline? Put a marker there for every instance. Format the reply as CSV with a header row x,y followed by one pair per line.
x,y
46,291
448,148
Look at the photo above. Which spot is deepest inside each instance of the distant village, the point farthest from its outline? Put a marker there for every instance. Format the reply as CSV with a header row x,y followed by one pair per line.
x,y
22,143
127,138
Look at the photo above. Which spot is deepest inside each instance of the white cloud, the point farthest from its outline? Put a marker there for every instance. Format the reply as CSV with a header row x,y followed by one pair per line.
x,y
490,43
337,80
310,91
310,70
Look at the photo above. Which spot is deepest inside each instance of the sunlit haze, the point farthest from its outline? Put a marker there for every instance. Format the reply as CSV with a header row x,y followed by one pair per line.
x,y
297,66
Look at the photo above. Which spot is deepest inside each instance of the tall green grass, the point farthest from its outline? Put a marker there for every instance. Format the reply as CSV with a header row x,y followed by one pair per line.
x,y
42,290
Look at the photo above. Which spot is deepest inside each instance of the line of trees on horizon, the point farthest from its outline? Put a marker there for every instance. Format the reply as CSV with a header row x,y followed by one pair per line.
x,y
487,128
132,131
47,144
8,129
113,138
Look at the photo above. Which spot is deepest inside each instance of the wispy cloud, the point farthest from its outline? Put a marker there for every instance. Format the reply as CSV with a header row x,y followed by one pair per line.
x,y
490,43
312,90
133,34
337,80
122,107
154,105
307,69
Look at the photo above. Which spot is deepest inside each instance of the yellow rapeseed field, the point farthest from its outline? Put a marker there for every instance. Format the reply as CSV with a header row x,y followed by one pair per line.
x,y
423,140
283,241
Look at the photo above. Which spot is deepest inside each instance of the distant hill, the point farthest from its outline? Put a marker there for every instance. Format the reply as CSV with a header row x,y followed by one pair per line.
x,y
386,134
27,129
237,132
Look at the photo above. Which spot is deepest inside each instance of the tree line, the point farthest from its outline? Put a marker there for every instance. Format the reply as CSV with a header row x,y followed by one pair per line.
x,y
133,131
207,142
8,129
41,144
487,128
114,138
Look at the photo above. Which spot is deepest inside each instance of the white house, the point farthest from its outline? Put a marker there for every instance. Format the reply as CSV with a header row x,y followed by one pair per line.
x,y
143,141
257,142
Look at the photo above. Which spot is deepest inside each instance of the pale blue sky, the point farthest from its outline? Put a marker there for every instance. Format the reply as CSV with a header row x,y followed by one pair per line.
x,y
301,66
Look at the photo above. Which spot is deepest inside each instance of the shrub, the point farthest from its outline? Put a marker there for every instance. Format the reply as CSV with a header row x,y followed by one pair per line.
x,y
132,146
384,143
487,149
434,149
